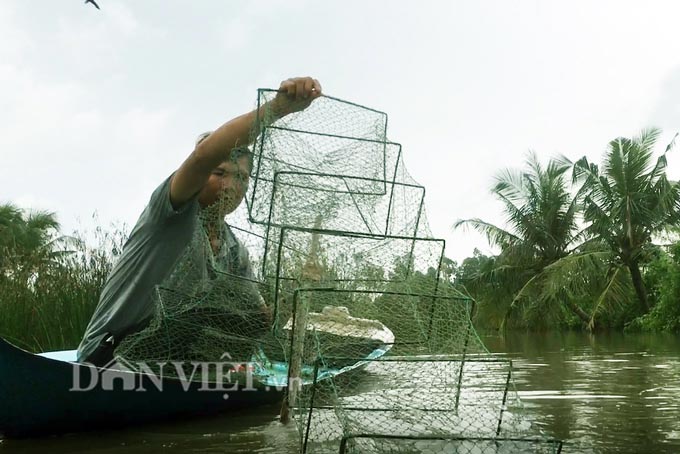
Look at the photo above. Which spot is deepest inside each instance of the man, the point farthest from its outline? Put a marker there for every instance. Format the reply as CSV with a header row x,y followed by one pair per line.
x,y
181,239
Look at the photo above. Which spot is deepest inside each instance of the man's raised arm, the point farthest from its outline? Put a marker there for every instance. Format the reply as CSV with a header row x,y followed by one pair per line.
x,y
294,95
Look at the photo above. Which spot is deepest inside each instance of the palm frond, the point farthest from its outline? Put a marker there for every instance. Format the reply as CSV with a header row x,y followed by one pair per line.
x,y
614,292
495,235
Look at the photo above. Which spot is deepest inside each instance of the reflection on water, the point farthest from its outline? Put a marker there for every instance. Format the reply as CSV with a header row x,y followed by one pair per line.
x,y
254,431
603,393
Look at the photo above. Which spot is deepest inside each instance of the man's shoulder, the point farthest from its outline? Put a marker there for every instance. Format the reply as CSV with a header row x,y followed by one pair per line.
x,y
159,207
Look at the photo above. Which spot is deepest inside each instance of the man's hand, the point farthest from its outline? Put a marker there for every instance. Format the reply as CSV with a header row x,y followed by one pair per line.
x,y
294,95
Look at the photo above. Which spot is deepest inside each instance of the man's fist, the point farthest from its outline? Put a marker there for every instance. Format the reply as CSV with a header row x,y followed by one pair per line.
x,y
295,94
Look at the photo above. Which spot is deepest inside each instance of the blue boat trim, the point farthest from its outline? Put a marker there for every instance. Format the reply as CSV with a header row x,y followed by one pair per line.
x,y
267,372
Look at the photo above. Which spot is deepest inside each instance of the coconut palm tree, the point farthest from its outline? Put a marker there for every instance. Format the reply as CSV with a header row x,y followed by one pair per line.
x,y
542,218
25,235
628,201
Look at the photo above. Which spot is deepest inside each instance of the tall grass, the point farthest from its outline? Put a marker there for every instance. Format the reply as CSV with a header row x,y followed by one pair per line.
x,y
48,296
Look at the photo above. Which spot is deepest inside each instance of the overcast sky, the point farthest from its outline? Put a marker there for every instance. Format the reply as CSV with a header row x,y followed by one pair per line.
x,y
98,107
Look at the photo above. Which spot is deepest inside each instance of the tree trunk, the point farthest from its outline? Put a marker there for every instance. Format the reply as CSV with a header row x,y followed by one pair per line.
x,y
639,285
580,313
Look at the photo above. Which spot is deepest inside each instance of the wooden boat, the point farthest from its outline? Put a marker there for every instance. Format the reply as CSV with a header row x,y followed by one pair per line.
x,y
38,396
50,393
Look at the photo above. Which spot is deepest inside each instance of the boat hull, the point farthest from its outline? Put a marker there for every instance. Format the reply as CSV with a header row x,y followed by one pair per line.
x,y
43,396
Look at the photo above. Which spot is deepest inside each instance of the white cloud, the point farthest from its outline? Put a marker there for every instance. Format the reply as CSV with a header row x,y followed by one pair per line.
x,y
99,106
14,41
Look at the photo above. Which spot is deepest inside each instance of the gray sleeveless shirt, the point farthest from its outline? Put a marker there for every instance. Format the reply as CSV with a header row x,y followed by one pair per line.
x,y
166,247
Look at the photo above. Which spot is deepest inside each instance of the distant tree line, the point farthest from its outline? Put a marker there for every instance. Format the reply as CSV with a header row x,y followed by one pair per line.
x,y
585,246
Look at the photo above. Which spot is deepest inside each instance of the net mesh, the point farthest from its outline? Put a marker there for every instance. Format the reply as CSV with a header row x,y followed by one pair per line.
x,y
328,281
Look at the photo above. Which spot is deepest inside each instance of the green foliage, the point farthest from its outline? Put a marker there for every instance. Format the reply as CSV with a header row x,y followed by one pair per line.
x,y
475,276
662,277
541,215
22,233
49,285
549,273
629,200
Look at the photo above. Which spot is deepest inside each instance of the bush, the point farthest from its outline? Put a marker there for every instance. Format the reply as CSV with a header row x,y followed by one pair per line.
x,y
47,296
663,280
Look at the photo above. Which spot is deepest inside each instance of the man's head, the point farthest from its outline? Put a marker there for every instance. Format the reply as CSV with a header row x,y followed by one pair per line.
x,y
228,182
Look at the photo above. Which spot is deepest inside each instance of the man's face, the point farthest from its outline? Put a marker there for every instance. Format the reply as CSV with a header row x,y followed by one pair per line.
x,y
226,186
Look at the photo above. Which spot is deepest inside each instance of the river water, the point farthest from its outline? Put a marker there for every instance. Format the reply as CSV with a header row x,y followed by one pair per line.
x,y
600,393
604,393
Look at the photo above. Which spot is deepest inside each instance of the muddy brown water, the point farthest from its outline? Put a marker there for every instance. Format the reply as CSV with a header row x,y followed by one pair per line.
x,y
604,393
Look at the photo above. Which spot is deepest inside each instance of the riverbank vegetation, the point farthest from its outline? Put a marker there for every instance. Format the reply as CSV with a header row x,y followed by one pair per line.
x,y
585,246
49,283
